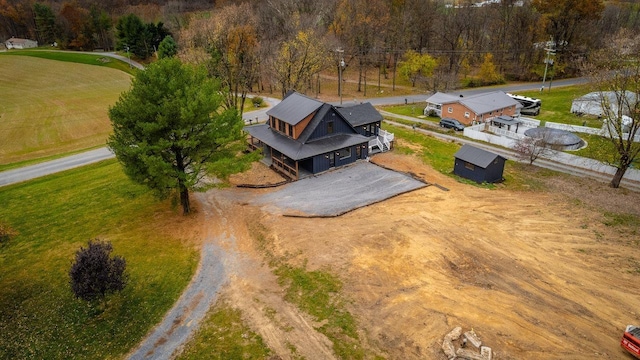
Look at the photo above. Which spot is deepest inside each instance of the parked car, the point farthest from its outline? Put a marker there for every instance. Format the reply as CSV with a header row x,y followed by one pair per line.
x,y
451,124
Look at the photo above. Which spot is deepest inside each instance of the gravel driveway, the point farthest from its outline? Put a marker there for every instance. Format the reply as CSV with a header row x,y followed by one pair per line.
x,y
339,191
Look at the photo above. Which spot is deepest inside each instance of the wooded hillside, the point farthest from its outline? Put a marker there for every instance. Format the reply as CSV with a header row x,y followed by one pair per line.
x,y
286,42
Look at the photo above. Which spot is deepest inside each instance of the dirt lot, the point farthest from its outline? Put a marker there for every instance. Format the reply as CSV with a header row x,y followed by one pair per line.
x,y
536,275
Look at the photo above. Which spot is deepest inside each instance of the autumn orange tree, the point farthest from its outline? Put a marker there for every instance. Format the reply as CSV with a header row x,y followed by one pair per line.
x,y
565,19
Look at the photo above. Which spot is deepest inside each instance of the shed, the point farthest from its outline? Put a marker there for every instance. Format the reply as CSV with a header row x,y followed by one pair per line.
x,y
478,165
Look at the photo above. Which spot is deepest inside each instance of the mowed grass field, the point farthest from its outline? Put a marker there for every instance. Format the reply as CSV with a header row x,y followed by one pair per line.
x,y
54,216
52,107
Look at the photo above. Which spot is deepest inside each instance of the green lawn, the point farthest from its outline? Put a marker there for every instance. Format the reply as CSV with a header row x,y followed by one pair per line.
x,y
73,57
440,155
556,106
54,216
54,107
222,336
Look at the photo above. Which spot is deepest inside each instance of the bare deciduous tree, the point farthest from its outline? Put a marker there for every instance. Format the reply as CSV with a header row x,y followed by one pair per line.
x,y
531,148
615,73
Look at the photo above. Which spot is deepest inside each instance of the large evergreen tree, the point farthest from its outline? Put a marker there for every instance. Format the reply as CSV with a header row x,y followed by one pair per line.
x,y
169,125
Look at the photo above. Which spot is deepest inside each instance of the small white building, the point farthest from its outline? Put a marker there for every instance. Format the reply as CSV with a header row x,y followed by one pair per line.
x,y
17,43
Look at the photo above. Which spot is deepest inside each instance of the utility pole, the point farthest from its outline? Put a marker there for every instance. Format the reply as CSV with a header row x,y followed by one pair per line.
x,y
547,61
340,67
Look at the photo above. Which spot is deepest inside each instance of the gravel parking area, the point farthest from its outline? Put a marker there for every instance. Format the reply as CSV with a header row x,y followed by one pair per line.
x,y
339,191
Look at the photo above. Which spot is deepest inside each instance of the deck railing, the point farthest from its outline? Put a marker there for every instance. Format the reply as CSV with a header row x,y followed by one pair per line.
x,y
286,169
387,138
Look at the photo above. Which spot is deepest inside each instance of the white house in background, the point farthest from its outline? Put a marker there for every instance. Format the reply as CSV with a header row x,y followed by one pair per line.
x,y
591,104
17,43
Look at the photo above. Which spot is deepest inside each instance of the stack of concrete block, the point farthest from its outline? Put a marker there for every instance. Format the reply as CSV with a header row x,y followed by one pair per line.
x,y
473,352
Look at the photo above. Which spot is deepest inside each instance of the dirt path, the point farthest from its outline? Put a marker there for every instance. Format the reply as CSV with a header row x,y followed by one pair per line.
x,y
254,289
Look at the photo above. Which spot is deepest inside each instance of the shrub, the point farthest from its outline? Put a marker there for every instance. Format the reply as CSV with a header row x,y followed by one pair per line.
x,y
257,101
94,274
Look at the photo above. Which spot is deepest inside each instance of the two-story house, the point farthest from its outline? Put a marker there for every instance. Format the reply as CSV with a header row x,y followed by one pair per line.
x,y
304,136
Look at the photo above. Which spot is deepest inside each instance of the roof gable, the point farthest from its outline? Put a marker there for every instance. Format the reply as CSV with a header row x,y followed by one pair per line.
x,y
325,111
476,156
294,108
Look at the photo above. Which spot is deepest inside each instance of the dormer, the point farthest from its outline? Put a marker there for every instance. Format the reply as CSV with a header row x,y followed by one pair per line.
x,y
292,115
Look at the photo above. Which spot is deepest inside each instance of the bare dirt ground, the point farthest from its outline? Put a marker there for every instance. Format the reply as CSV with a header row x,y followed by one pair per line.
x,y
537,275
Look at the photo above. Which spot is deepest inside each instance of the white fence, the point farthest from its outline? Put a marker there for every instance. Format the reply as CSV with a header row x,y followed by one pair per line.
x,y
587,130
529,122
504,132
476,132
576,128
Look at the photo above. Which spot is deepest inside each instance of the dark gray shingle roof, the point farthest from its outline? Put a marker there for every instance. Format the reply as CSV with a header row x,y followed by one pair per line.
x,y
294,108
360,114
475,156
297,150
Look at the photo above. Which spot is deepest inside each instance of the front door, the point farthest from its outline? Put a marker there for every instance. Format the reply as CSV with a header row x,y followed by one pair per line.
x,y
332,159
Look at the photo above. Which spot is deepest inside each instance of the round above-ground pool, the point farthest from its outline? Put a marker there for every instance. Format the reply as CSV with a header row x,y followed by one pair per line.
x,y
559,139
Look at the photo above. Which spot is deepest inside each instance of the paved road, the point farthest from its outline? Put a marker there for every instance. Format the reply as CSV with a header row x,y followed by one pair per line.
x,y
49,167
420,98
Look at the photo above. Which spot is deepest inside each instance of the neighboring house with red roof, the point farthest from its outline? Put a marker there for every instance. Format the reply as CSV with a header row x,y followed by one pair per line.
x,y
474,108
305,136
17,43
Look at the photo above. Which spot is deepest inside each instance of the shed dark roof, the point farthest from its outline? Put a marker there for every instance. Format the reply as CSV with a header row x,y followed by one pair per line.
x,y
299,151
475,156
294,108
360,114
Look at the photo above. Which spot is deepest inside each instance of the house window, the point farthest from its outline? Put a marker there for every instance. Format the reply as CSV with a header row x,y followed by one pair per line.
x,y
330,127
345,153
281,126
290,130
469,166
466,114
450,110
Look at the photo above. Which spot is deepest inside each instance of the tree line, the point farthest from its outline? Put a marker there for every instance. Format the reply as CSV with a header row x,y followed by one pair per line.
x,y
373,34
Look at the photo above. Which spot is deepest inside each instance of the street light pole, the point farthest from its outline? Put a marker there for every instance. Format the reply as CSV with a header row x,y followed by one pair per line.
x,y
340,66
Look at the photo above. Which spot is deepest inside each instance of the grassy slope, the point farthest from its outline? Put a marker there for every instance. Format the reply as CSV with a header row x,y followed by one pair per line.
x,y
51,107
54,216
